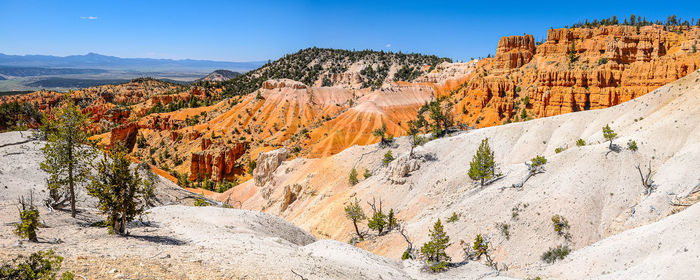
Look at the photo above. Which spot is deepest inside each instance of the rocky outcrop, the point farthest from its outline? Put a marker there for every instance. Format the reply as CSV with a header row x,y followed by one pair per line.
x,y
125,135
399,168
216,163
266,165
515,51
282,83
291,193
574,70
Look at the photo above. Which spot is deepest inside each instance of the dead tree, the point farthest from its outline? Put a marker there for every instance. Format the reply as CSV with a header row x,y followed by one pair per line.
x,y
408,254
647,182
373,206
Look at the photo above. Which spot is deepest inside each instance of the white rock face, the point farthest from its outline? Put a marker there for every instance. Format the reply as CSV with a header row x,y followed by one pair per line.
x,y
400,167
267,164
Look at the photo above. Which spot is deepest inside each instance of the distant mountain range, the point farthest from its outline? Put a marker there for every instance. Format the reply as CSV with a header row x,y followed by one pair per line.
x,y
98,61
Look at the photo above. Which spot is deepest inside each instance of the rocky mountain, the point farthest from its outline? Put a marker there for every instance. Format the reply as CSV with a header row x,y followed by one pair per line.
x,y
220,75
318,102
94,60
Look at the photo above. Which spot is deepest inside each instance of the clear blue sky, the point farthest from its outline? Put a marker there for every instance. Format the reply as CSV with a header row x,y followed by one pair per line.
x,y
261,30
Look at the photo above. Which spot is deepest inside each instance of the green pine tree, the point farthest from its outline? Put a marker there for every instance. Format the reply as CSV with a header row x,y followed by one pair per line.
x,y
378,222
65,159
354,212
118,189
482,166
352,178
609,135
434,250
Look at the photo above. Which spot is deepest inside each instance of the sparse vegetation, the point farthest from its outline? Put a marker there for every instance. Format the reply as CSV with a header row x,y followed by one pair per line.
x,y
632,145
505,229
556,253
561,226
559,150
453,218
367,174
580,142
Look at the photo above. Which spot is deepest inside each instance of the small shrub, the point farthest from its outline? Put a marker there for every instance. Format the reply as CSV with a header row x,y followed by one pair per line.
x,y
558,150
42,265
29,220
538,161
609,135
632,145
406,255
251,166
602,60
200,202
580,142
553,254
505,229
352,178
388,157
453,218
367,174
561,226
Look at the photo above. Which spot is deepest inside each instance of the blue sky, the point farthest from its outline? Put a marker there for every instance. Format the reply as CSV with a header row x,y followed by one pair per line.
x,y
260,30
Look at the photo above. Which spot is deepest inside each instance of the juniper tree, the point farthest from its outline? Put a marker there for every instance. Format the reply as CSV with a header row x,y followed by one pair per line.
x,y
65,160
434,250
354,212
482,166
118,190
609,135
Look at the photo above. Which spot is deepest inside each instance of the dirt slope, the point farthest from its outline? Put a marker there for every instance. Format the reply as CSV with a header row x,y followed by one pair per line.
x,y
597,191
